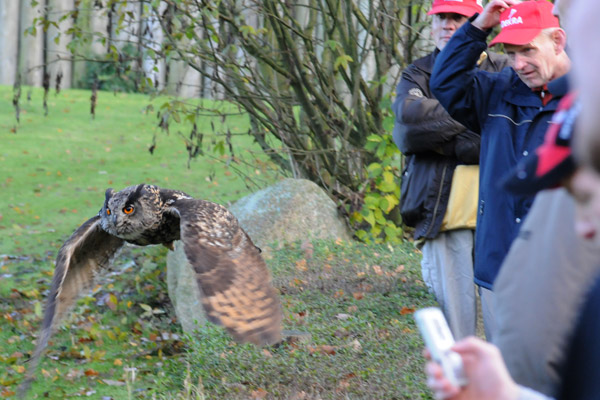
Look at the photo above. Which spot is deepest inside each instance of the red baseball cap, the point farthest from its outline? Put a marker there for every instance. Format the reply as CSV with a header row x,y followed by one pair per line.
x,y
521,23
553,160
462,7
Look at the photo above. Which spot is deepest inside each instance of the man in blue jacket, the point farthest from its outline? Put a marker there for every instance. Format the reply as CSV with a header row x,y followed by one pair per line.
x,y
511,109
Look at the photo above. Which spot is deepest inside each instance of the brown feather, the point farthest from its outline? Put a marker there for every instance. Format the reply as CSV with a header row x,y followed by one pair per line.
x,y
80,258
231,273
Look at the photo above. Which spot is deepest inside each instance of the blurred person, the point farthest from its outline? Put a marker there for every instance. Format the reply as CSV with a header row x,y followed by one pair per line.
x,y
484,366
586,53
511,109
440,179
538,294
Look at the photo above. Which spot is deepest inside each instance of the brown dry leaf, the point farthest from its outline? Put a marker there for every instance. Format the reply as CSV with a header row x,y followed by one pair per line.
x,y
338,294
326,349
407,310
91,372
259,393
7,393
358,295
267,353
299,395
377,269
118,362
74,374
301,265
352,309
400,268
308,249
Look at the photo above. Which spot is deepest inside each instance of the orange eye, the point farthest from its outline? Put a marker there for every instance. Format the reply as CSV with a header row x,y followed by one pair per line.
x,y
128,210
107,211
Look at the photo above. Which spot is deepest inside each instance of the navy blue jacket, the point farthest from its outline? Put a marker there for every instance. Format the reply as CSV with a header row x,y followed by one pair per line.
x,y
512,121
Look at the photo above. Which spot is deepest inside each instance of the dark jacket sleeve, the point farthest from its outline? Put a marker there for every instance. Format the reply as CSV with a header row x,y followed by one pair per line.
x,y
422,124
460,87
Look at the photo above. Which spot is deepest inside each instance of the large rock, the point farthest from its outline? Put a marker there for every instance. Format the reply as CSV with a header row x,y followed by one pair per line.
x,y
183,290
291,210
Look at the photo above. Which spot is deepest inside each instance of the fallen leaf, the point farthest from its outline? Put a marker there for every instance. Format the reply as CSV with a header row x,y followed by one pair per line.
x,y
267,353
259,393
308,249
301,265
407,310
342,316
358,295
326,349
377,269
91,372
352,309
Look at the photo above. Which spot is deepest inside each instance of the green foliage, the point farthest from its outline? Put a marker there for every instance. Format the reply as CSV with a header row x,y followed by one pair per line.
x,y
114,76
378,219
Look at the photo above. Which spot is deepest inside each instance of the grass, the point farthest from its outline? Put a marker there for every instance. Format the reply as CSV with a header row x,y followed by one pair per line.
x,y
354,301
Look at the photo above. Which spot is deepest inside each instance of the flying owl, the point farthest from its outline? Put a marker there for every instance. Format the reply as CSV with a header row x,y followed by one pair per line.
x,y
230,272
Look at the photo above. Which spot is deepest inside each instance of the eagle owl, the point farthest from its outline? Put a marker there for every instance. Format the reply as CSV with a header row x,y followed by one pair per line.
x,y
230,272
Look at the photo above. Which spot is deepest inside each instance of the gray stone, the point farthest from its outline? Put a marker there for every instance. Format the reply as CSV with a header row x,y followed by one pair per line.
x,y
290,210
183,290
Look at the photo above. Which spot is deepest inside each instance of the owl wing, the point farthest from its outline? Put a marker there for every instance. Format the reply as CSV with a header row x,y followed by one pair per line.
x,y
81,257
234,280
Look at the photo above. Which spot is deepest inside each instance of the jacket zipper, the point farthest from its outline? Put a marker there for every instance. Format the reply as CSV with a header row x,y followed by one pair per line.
x,y
437,201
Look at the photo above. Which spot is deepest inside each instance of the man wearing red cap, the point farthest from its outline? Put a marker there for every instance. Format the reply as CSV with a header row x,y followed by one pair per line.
x,y
441,155
512,109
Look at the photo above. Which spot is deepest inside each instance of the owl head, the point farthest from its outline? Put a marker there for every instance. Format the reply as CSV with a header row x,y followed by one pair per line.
x,y
130,212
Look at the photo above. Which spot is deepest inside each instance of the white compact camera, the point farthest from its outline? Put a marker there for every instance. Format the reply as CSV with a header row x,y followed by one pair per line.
x,y
438,339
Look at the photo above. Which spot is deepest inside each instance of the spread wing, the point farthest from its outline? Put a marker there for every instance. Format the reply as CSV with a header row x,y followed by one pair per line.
x,y
81,257
234,280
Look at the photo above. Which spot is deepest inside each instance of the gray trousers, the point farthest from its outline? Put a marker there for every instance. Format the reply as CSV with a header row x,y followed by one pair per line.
x,y
447,269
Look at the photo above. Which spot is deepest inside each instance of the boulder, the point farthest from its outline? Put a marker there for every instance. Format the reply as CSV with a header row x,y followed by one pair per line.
x,y
290,210
183,290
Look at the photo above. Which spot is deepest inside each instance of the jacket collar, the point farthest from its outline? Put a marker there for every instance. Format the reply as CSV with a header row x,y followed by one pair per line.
x,y
522,95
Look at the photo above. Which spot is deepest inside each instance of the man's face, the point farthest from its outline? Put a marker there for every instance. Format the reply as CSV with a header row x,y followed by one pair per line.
x,y
584,186
443,27
535,62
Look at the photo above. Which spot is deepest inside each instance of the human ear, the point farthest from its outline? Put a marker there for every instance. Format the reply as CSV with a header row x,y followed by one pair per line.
x,y
559,37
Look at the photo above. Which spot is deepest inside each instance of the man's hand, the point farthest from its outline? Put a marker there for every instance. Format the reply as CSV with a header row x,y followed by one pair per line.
x,y
490,16
485,370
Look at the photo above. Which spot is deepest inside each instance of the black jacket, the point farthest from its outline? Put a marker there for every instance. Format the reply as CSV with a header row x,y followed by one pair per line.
x,y
433,144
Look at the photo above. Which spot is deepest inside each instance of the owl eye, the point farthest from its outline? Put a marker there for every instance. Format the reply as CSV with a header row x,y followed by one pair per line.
x,y
128,209
107,211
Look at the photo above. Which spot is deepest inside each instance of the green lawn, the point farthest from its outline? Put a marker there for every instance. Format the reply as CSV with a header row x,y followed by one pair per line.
x,y
354,300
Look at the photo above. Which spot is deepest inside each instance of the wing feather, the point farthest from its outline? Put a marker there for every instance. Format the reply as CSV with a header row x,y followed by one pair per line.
x,y
234,280
81,257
